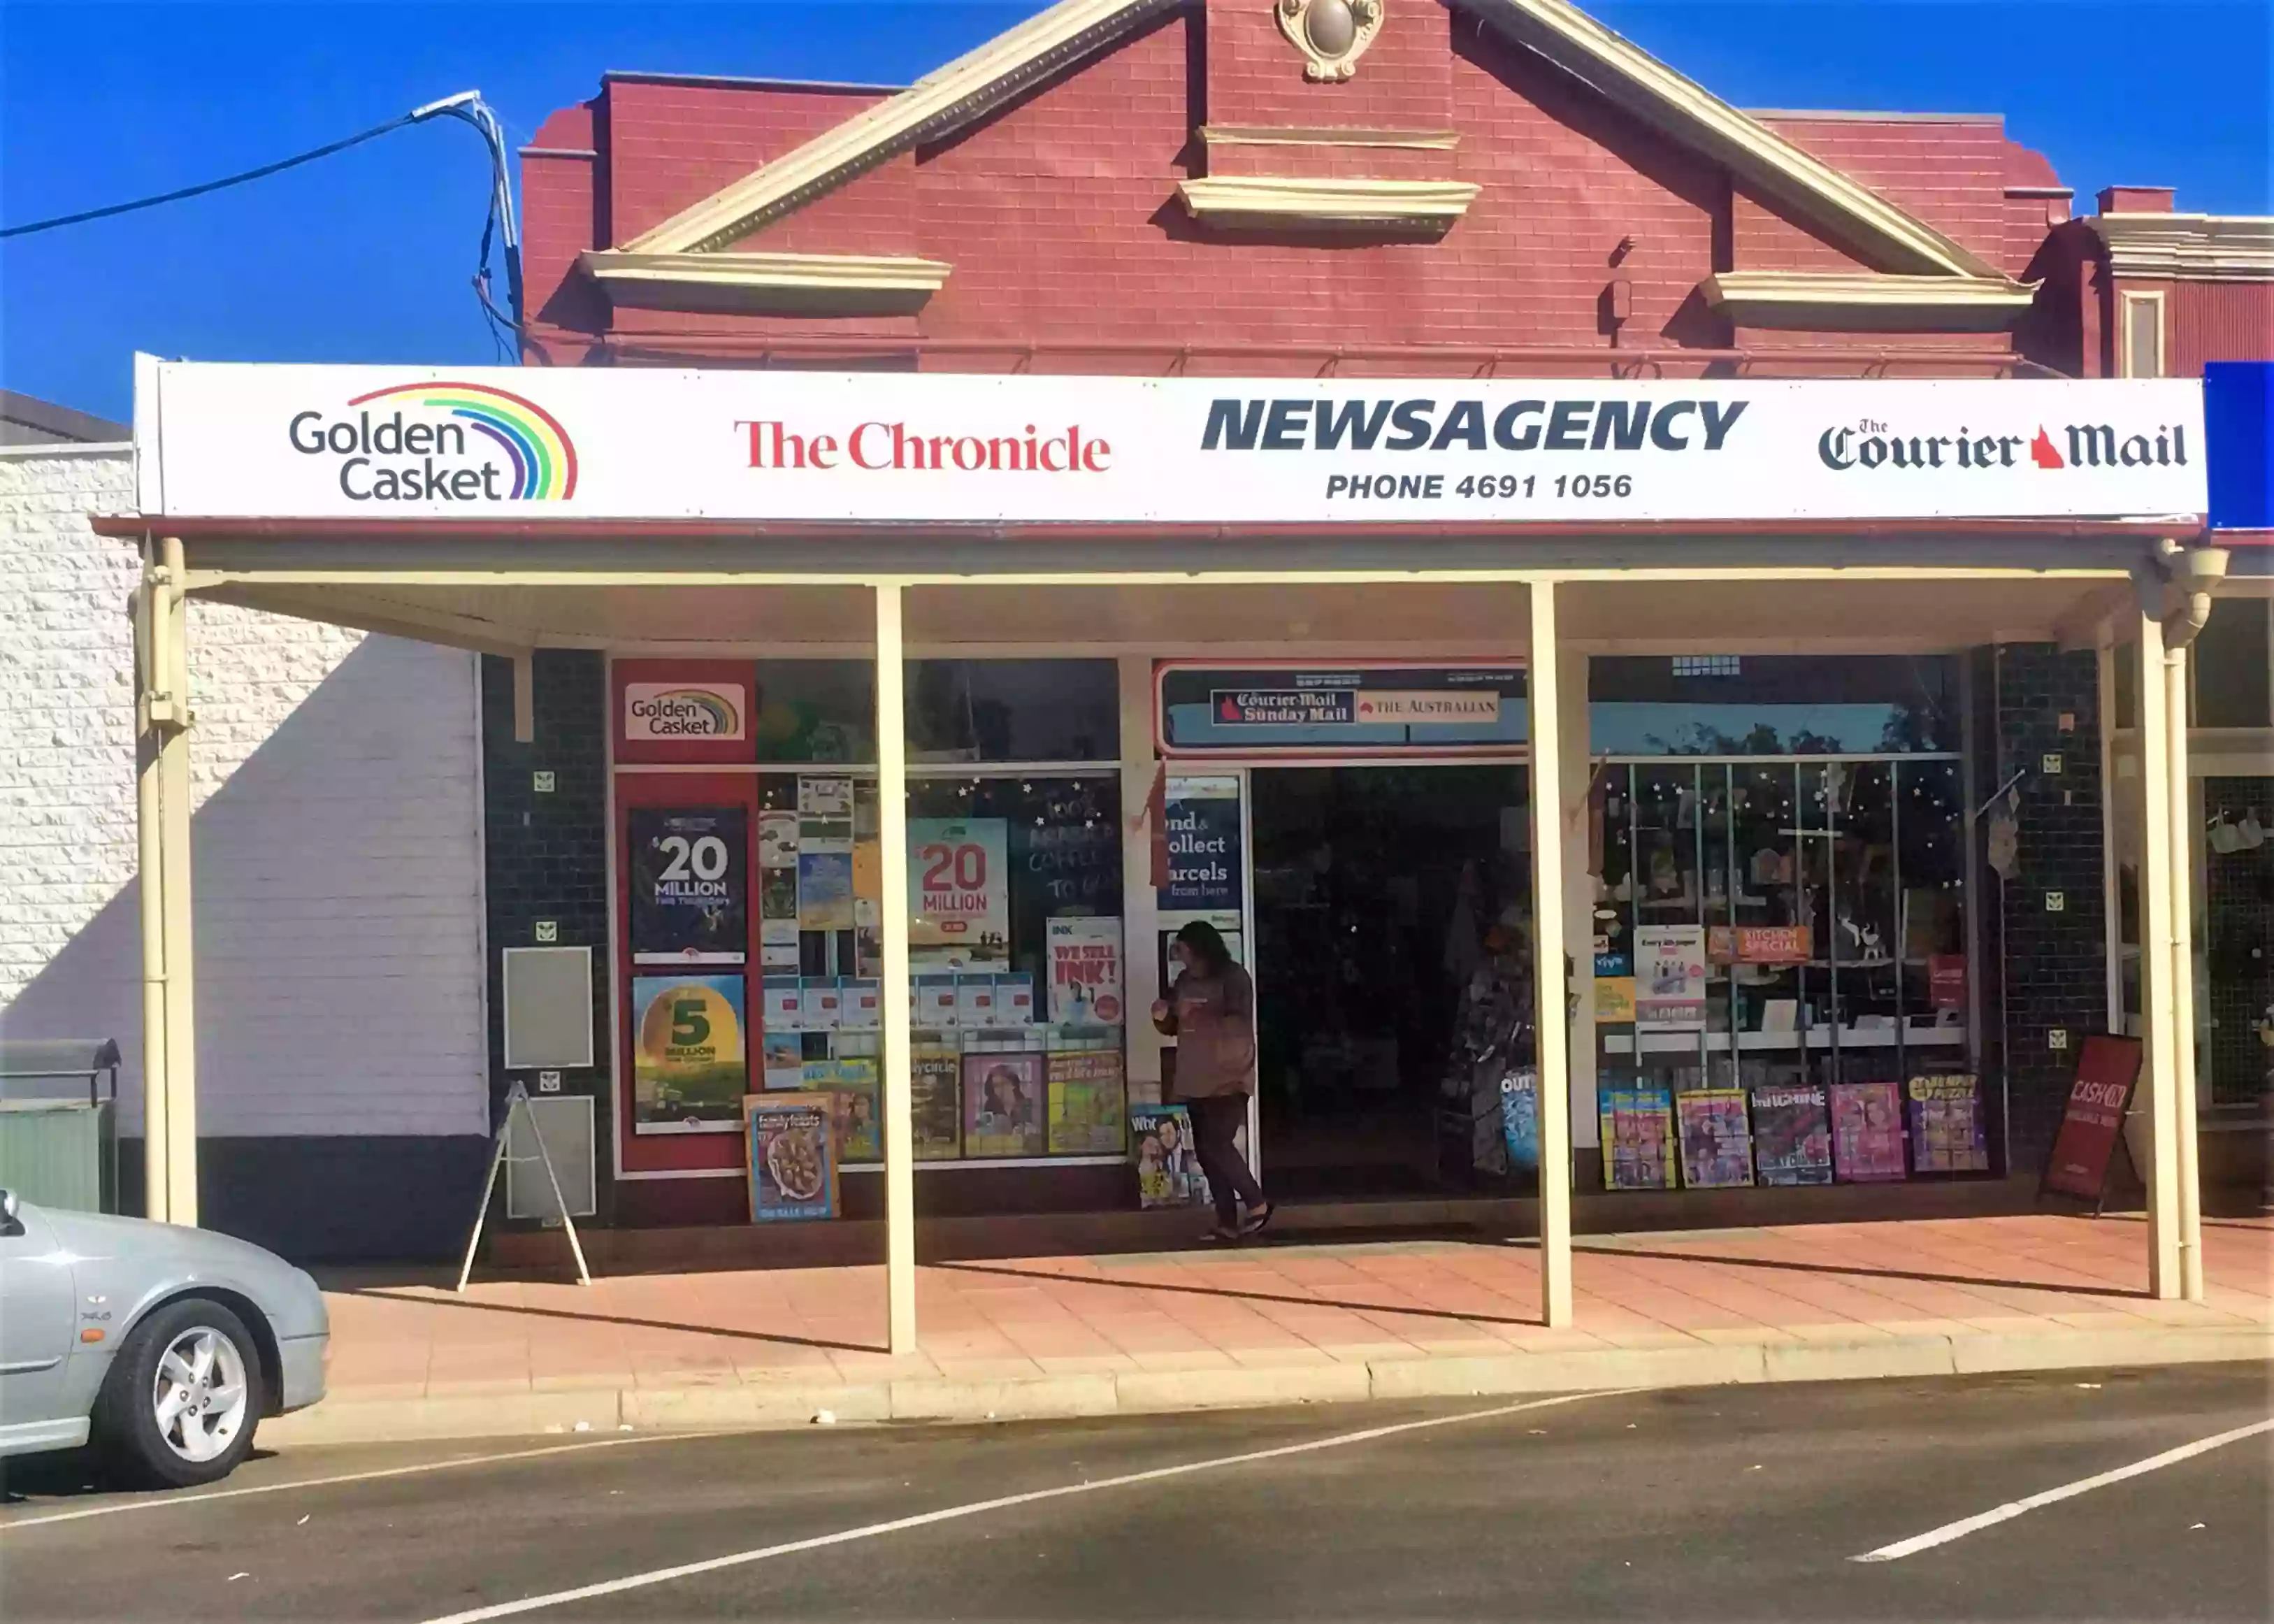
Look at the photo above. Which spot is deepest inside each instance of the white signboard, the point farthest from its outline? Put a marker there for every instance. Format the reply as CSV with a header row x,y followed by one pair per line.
x,y
381,444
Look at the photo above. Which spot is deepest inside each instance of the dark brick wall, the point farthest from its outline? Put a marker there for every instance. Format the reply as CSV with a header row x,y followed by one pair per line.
x,y
2051,966
546,855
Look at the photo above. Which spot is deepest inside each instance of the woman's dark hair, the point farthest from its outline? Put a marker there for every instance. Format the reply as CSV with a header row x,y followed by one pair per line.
x,y
1206,944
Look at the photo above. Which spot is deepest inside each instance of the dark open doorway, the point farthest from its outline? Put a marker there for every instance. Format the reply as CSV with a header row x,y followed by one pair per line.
x,y
1373,887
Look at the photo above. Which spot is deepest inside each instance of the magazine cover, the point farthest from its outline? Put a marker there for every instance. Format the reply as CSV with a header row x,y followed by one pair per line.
x,y
935,1104
1946,1131
1792,1134
851,1088
1519,1118
1003,1105
1167,1171
793,1173
1638,1127
1867,1133
1087,1108
1085,972
1717,1147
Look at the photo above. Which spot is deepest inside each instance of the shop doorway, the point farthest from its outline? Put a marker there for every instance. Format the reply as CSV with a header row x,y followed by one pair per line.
x,y
1374,888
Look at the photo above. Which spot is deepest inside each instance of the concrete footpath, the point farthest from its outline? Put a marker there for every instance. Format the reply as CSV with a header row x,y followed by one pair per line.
x,y
1271,1324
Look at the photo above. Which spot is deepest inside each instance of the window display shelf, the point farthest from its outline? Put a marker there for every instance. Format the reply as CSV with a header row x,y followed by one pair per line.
x,y
1752,1043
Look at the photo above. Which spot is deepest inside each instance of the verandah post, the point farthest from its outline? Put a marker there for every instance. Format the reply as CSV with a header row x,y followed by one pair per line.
x,y
892,839
1554,1041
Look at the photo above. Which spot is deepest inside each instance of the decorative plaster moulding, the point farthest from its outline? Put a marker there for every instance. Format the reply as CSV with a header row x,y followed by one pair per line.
x,y
1865,300
1332,35
1326,135
1268,199
825,283
2189,247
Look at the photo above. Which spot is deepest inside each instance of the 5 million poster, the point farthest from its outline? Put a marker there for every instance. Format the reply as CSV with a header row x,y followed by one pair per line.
x,y
689,1065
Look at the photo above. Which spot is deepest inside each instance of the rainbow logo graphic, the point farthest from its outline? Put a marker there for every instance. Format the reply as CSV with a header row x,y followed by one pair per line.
x,y
544,457
665,710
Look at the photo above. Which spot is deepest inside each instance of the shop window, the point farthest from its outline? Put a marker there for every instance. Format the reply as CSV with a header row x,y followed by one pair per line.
x,y
1779,959
2228,667
815,710
1727,705
1013,711
1017,953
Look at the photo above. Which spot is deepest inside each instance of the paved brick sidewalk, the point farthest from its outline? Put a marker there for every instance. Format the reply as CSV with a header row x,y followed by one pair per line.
x,y
1277,1323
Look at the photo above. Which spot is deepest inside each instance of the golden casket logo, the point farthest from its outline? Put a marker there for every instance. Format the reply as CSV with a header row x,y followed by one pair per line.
x,y
443,442
680,710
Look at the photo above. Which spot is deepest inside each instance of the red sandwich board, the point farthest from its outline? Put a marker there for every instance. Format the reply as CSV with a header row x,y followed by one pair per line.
x,y
2092,1121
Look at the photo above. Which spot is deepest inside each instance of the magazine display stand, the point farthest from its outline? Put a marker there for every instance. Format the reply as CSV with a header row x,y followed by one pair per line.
x,y
1493,1038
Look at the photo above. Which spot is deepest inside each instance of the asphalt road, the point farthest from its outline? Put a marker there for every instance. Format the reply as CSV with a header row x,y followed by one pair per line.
x,y
1724,1503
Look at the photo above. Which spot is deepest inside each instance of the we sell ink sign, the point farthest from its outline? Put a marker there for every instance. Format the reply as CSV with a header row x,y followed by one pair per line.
x,y
1085,972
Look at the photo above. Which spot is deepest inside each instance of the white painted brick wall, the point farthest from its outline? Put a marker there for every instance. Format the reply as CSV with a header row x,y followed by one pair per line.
x,y
336,871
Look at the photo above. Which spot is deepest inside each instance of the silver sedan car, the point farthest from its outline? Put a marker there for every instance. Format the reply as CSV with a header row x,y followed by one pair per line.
x,y
163,1346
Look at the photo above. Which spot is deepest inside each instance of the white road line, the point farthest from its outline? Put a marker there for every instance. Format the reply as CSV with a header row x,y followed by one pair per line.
x,y
163,1502
2006,1513
949,1513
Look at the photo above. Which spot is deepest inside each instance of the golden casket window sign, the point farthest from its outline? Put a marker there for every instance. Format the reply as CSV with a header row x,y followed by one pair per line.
x,y
1332,35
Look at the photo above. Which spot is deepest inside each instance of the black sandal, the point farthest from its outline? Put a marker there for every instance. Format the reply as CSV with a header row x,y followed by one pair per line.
x,y
1222,1237
1257,1217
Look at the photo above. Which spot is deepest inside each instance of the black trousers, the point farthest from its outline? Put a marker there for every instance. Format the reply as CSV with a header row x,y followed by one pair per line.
x,y
1215,1120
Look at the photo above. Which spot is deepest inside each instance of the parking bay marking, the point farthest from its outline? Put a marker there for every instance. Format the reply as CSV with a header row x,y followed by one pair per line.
x,y
2011,1509
161,1504
949,1513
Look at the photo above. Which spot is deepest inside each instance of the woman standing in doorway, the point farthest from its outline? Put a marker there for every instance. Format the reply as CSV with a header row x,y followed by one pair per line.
x,y
1210,1011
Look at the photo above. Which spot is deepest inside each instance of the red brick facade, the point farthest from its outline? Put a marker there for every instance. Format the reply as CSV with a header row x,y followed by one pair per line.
x,y
1059,213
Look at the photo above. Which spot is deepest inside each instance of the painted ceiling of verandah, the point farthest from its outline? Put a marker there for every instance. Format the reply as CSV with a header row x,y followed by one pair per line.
x,y
1756,615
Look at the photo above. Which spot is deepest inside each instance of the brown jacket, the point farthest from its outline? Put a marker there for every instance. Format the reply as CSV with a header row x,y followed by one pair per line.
x,y
1213,1020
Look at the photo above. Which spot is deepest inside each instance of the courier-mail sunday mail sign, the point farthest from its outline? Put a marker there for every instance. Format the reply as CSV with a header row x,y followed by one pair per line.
x,y
386,444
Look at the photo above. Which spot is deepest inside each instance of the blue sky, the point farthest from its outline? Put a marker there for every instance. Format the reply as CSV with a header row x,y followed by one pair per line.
x,y
365,257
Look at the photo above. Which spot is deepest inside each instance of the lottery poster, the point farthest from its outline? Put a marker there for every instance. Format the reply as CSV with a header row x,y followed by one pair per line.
x,y
958,893
690,1068
689,884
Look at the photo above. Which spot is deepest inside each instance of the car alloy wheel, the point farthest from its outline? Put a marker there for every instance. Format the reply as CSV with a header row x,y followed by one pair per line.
x,y
199,1396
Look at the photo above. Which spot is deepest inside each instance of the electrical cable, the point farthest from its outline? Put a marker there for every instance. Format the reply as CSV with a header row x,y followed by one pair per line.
x,y
467,107
266,169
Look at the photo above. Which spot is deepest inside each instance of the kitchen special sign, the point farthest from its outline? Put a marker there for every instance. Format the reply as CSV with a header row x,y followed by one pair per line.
x,y
381,444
